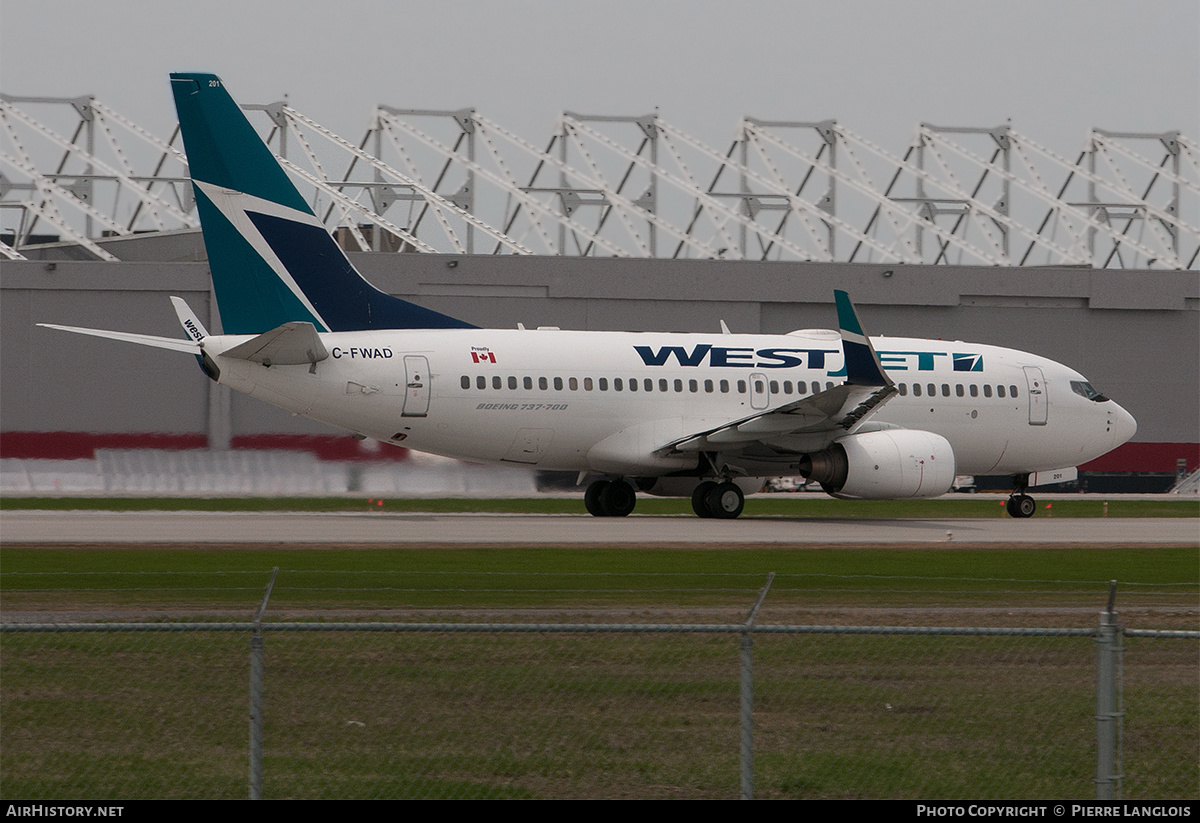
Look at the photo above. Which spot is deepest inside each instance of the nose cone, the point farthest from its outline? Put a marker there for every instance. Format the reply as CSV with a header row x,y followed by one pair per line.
x,y
1121,425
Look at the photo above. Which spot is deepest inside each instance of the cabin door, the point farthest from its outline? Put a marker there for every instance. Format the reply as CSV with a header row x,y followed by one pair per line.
x,y
1035,387
416,385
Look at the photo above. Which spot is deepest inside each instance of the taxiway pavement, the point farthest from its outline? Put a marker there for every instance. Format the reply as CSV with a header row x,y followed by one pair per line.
x,y
45,527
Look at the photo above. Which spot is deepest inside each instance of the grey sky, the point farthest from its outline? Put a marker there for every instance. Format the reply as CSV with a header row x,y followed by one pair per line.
x,y
1056,67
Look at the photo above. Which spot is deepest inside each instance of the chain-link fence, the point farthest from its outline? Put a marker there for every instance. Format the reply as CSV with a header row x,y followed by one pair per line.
x,y
454,710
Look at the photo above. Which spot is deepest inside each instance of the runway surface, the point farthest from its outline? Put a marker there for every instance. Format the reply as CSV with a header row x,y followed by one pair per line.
x,y
380,529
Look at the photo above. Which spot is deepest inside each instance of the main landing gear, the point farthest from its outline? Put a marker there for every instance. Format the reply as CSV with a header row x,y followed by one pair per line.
x,y
616,498
609,498
721,500
1020,504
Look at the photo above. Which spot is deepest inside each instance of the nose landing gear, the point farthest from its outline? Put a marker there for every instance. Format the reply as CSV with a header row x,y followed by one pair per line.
x,y
1020,504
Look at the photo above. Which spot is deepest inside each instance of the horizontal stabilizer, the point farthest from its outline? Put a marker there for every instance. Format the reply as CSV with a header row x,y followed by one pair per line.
x,y
291,344
174,344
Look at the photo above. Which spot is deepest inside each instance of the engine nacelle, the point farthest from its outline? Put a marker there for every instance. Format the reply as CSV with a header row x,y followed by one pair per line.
x,y
884,465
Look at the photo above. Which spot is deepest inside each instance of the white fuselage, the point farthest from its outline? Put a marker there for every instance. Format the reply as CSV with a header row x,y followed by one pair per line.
x,y
605,401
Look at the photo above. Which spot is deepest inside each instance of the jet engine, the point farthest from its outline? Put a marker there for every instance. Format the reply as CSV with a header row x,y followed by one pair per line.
x,y
883,465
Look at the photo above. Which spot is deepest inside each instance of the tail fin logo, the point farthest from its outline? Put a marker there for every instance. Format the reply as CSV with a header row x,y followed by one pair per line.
x,y
272,261
258,222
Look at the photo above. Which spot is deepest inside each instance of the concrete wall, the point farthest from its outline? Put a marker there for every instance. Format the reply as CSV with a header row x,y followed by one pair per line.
x,y
1135,334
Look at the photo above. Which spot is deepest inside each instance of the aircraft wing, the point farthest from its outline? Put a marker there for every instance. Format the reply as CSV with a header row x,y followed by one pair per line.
x,y
831,412
866,389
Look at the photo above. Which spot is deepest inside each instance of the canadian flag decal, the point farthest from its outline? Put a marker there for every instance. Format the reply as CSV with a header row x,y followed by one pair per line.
x,y
483,357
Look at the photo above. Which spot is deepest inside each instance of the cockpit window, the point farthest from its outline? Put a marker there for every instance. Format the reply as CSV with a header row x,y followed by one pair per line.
x,y
1085,389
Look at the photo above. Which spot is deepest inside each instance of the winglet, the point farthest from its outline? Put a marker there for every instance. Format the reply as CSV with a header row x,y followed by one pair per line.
x,y
862,364
188,319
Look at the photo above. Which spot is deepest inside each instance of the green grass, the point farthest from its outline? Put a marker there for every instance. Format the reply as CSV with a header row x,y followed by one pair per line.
x,y
767,506
568,578
353,714
584,716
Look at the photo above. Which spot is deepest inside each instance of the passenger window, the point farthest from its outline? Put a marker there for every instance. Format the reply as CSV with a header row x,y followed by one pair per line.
x,y
573,384
512,382
787,386
987,390
958,389
528,382
648,384
903,389
587,384
741,387
774,387
603,383
916,389
497,383
724,387
662,384
974,390
816,387
1012,391
1000,391
693,386
945,390
465,382
678,385
633,384
932,390
759,387
542,384
801,388
481,382
708,386
558,384
618,384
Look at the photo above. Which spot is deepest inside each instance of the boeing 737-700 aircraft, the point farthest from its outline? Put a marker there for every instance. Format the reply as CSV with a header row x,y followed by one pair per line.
x,y
705,415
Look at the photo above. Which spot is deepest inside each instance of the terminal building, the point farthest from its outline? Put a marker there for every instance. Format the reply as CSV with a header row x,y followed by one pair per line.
x,y
618,223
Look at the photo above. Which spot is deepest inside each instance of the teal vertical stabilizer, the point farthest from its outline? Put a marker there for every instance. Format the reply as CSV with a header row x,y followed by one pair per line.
x,y
272,261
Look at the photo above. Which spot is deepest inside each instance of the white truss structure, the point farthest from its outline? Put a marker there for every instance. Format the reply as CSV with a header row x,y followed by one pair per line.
x,y
457,182
109,177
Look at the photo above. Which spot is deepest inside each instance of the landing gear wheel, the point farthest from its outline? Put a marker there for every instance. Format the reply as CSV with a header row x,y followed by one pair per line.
x,y
618,499
700,498
594,496
725,500
1021,505
609,498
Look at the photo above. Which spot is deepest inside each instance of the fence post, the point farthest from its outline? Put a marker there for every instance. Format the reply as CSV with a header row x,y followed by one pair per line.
x,y
747,694
1108,776
256,685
